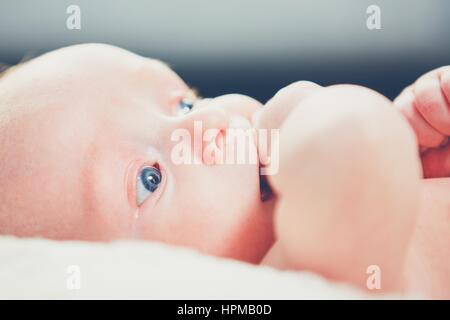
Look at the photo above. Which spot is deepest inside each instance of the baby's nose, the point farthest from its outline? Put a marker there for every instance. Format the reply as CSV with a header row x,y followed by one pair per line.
x,y
208,113
238,104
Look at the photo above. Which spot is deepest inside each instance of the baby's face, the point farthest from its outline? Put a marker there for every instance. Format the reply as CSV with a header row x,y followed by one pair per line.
x,y
85,134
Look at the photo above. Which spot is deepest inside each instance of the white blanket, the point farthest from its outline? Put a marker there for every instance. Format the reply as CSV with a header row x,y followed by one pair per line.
x,y
43,269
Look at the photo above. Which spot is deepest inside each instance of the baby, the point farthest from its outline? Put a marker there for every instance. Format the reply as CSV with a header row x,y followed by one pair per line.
x,y
85,140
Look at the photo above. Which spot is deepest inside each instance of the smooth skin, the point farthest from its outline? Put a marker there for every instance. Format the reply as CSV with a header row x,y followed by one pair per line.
x,y
426,105
78,124
336,139
348,184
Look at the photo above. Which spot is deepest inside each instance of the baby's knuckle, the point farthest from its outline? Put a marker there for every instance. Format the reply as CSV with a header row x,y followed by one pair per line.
x,y
295,88
445,82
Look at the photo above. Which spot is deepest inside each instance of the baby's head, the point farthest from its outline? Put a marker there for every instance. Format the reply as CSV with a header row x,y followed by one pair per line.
x,y
85,153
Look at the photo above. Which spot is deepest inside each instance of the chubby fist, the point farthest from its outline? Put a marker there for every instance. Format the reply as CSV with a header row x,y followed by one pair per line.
x,y
426,105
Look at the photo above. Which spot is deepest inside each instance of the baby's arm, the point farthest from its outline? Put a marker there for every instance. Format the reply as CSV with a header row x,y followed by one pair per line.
x,y
348,186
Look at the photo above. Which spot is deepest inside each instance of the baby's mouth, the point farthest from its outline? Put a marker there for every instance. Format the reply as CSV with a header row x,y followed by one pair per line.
x,y
266,192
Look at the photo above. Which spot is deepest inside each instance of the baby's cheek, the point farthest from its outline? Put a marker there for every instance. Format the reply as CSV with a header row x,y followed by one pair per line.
x,y
222,220
238,229
250,235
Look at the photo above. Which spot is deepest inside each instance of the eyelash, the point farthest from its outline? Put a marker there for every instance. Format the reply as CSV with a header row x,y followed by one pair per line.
x,y
189,98
184,107
147,182
141,194
133,177
187,102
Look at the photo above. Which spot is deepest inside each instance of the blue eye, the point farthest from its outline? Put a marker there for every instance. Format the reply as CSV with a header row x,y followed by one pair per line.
x,y
185,106
147,182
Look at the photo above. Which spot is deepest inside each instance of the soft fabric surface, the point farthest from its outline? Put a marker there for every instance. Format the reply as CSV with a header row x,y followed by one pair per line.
x,y
35,268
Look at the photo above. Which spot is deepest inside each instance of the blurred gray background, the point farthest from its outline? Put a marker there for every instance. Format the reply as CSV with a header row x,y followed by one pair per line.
x,y
252,47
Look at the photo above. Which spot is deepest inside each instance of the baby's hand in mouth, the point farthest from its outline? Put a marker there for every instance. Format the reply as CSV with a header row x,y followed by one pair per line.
x,y
272,116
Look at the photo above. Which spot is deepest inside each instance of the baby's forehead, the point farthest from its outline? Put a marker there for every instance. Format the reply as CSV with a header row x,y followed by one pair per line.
x,y
88,62
103,57
88,70
85,86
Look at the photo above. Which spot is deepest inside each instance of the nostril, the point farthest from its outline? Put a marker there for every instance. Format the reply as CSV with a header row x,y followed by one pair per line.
x,y
213,150
220,139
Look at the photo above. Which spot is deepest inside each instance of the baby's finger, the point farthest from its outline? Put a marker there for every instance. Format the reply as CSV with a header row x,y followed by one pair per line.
x,y
427,136
436,163
445,82
431,102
